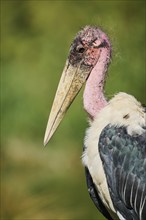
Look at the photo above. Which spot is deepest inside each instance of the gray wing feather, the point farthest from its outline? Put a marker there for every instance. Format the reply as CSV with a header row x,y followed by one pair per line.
x,y
124,162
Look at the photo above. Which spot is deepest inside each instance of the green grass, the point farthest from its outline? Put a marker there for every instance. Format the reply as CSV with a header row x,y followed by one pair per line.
x,y
49,183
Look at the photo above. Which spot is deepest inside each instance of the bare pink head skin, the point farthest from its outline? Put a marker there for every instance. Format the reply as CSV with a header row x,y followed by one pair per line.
x,y
94,99
97,53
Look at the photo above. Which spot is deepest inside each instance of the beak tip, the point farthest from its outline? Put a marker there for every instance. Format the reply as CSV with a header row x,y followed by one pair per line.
x,y
46,139
45,143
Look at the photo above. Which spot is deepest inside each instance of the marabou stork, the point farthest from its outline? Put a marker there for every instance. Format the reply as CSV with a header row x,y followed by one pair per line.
x,y
114,152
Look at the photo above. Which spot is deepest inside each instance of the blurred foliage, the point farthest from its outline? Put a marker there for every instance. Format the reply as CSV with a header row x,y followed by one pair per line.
x,y
49,183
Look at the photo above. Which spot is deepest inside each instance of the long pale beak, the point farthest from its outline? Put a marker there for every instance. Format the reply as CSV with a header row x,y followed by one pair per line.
x,y
70,84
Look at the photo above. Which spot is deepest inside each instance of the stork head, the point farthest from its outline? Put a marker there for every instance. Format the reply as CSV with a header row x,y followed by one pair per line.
x,y
84,53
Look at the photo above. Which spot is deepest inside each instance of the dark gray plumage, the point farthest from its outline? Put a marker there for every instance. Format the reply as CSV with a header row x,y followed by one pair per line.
x,y
124,161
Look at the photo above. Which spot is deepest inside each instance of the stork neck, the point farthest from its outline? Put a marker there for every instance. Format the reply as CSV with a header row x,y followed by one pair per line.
x,y
94,99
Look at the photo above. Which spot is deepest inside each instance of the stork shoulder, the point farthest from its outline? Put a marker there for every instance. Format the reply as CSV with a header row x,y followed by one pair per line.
x,y
122,110
126,111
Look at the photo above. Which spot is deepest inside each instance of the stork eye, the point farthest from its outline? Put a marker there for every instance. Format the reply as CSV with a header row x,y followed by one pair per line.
x,y
80,49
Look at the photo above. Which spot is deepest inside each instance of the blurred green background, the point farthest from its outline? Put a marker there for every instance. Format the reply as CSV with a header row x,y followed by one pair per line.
x,y
49,183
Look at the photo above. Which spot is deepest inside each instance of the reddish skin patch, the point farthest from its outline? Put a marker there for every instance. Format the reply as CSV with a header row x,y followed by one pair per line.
x,y
90,56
